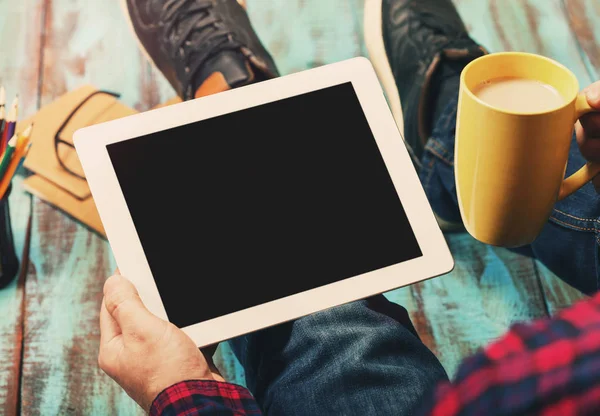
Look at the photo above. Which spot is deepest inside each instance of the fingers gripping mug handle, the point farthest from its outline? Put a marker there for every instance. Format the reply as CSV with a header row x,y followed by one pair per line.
x,y
590,169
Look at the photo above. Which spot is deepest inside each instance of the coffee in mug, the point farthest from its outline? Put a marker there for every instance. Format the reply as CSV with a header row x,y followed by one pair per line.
x,y
519,94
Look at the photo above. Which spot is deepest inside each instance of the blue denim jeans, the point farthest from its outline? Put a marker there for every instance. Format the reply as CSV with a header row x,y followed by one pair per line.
x,y
362,358
365,358
568,244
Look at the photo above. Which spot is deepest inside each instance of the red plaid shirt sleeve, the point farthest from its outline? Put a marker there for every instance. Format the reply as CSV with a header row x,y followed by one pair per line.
x,y
548,367
204,397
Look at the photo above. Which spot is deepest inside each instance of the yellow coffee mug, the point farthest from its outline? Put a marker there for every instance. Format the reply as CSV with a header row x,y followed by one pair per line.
x,y
510,165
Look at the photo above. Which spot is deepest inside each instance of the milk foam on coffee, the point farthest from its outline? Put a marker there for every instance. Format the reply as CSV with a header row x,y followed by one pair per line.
x,y
519,95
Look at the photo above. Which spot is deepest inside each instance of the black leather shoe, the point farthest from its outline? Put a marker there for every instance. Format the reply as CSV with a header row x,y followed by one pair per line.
x,y
201,46
408,40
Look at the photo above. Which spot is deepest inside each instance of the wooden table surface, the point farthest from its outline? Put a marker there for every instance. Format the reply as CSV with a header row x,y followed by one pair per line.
x,y
49,318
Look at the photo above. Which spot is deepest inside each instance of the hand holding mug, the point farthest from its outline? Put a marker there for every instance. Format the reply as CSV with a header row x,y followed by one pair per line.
x,y
516,116
588,129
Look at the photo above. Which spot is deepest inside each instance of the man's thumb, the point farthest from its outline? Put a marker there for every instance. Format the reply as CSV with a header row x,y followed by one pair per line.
x,y
125,306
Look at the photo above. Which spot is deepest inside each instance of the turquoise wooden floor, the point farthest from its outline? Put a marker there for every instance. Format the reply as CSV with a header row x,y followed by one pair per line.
x,y
48,321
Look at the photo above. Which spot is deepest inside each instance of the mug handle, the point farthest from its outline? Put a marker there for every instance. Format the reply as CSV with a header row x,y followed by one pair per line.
x,y
590,169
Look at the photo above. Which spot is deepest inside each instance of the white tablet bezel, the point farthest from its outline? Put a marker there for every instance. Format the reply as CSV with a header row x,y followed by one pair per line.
x,y
91,142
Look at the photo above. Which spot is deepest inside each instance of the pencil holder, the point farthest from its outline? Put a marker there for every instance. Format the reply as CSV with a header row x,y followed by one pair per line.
x,y
9,263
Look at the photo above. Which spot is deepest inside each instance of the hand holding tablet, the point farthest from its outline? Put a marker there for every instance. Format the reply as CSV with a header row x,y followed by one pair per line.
x,y
262,204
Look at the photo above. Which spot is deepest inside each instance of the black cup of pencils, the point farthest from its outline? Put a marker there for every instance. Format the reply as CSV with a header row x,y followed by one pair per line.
x,y
9,263
13,149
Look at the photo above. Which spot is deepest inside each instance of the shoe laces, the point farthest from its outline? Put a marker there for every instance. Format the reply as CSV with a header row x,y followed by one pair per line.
x,y
196,33
440,26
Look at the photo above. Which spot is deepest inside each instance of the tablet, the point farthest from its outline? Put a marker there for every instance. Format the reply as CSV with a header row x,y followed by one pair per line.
x,y
262,204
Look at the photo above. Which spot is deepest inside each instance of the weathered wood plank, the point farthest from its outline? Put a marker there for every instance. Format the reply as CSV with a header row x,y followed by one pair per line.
x,y
228,365
19,68
536,26
64,290
302,34
20,34
583,16
488,290
90,42
85,42
558,294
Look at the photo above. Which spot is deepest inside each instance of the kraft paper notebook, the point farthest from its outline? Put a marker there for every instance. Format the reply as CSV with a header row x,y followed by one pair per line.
x,y
58,177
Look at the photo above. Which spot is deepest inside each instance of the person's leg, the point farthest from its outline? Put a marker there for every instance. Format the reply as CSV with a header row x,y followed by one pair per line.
x,y
427,79
361,358
418,50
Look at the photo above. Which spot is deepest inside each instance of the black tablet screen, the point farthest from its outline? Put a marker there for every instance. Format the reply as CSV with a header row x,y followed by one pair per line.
x,y
263,203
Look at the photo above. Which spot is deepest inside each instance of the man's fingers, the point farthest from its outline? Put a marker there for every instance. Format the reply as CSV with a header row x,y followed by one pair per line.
x,y
126,308
108,326
596,182
589,145
591,125
588,127
592,92
591,122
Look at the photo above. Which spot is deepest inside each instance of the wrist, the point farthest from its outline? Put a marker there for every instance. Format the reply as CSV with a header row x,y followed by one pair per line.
x,y
157,387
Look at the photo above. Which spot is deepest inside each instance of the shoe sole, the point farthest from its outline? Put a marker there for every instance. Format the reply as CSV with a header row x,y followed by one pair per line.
x,y
373,28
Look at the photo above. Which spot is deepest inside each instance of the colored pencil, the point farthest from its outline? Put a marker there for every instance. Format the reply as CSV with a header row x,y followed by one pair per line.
x,y
2,109
2,121
26,135
14,109
11,124
25,138
11,117
7,156
21,149
5,130
12,169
